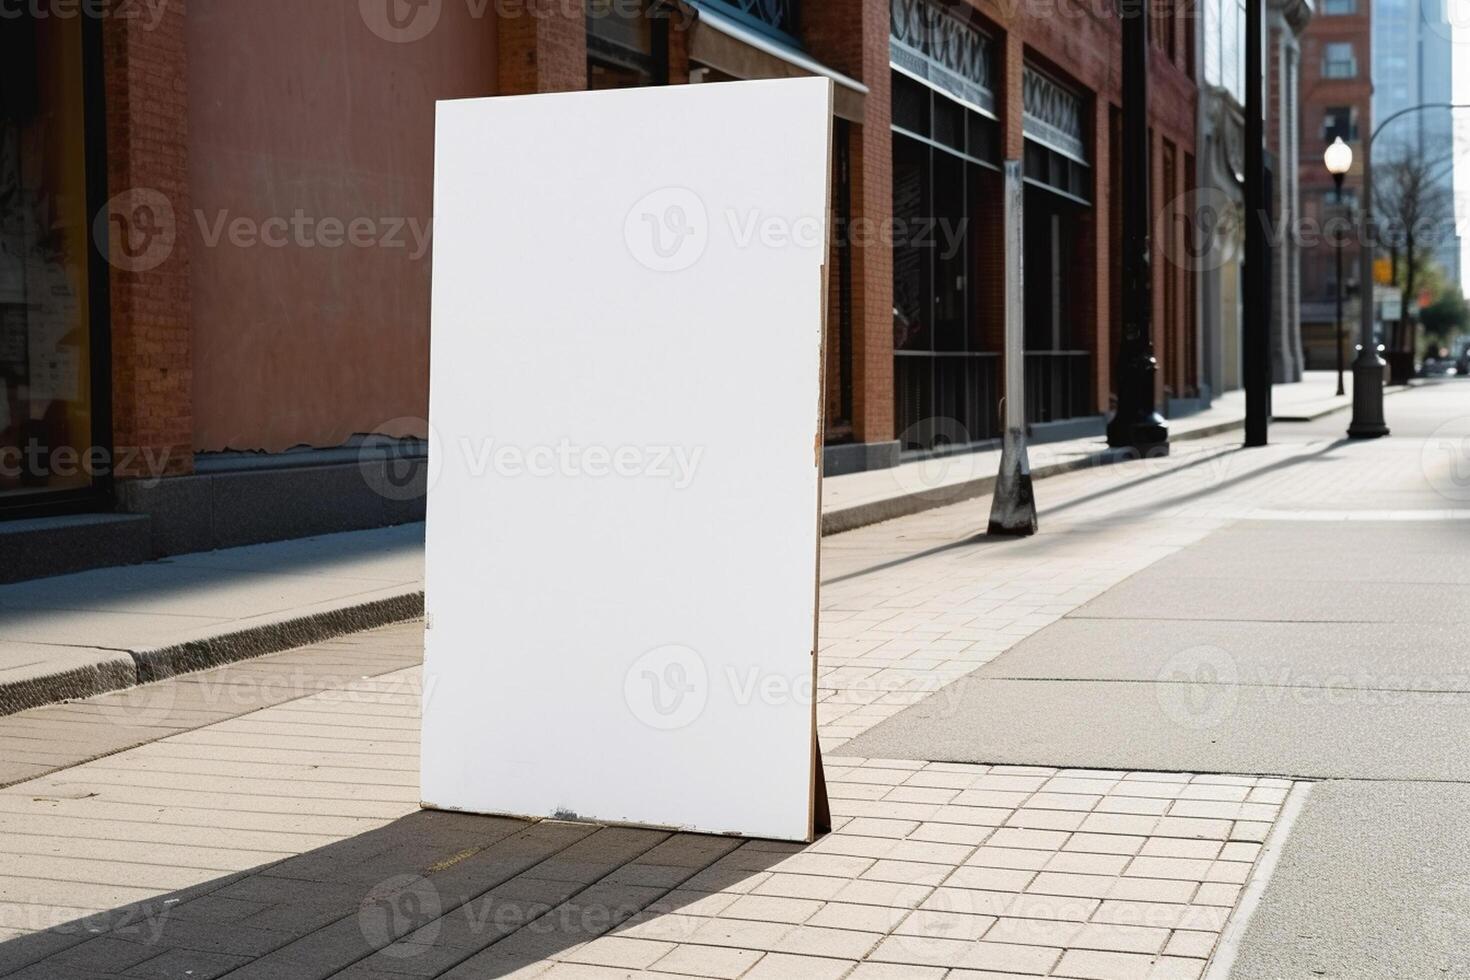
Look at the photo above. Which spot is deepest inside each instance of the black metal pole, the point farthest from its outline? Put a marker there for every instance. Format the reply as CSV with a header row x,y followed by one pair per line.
x,y
1137,424
1337,179
1257,327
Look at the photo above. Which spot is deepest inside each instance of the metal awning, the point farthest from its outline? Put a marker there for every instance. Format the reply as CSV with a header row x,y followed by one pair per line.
x,y
727,46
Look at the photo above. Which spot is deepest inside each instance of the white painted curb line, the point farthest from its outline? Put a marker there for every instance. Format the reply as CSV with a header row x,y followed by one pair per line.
x,y
1229,946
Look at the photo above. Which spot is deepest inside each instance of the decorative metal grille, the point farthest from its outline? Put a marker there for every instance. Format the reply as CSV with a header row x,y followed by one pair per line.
x,y
778,16
939,48
1052,114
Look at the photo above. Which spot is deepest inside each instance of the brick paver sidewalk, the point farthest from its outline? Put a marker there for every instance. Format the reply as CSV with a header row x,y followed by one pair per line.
x,y
261,819
285,843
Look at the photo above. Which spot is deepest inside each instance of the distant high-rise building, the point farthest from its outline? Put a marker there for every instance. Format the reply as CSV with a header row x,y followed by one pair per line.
x,y
1413,65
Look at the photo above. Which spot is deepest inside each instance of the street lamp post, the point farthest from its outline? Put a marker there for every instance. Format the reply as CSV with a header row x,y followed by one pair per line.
x,y
1136,424
1368,368
1339,160
1256,328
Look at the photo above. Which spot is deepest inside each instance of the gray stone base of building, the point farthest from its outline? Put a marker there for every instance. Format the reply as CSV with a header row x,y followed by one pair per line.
x,y
226,503
1178,408
859,457
241,499
1062,430
42,546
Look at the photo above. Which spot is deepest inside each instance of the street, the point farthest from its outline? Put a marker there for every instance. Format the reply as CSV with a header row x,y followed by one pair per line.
x,y
1208,723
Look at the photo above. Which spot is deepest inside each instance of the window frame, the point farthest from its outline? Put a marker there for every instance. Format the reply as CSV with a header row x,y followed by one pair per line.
x,y
1339,68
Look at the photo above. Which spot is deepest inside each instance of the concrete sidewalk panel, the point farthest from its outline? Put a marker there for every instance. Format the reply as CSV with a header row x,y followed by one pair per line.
x,y
1193,727
1371,884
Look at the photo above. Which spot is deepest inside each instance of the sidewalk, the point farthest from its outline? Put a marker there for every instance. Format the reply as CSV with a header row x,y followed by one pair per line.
x,y
860,499
83,634
1229,791
77,635
283,841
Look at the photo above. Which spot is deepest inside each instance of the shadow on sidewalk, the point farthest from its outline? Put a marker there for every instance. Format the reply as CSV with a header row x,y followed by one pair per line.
x,y
432,894
981,539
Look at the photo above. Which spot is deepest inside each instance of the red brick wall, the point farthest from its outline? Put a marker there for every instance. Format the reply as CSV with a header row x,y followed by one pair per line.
x,y
542,47
546,51
851,36
147,164
1317,94
1082,44
319,111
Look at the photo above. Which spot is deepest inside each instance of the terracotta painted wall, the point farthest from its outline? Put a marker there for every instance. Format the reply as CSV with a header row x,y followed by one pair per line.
x,y
311,126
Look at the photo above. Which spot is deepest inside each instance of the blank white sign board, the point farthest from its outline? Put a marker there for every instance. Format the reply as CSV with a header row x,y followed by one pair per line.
x,y
625,407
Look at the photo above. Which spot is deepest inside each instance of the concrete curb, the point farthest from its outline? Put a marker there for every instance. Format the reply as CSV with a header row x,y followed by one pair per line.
x,y
878,511
903,505
112,674
214,651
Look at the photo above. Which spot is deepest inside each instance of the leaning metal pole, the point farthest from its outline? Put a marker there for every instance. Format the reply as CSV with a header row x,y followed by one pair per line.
x,y
1368,367
1013,509
1137,424
1256,330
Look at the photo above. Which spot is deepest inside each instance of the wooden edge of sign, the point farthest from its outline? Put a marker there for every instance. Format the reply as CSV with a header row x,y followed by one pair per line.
x,y
819,814
821,809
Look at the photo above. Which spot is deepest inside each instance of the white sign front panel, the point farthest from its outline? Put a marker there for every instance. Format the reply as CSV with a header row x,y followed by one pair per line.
x,y
625,411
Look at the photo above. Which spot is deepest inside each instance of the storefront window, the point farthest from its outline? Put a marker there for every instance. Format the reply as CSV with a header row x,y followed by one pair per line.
x,y
46,410
1058,190
944,164
626,46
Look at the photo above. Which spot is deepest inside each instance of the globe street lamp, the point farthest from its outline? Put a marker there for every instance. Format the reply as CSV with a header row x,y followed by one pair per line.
x,y
1367,420
1339,160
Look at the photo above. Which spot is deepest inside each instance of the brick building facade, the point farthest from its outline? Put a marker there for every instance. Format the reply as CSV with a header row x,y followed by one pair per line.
x,y
245,357
1336,100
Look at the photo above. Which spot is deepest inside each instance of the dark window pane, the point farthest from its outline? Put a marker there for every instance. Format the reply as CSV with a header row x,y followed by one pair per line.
x,y
913,391
984,138
910,105
1036,162
949,123
950,404
45,313
951,283
1080,180
912,266
619,24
